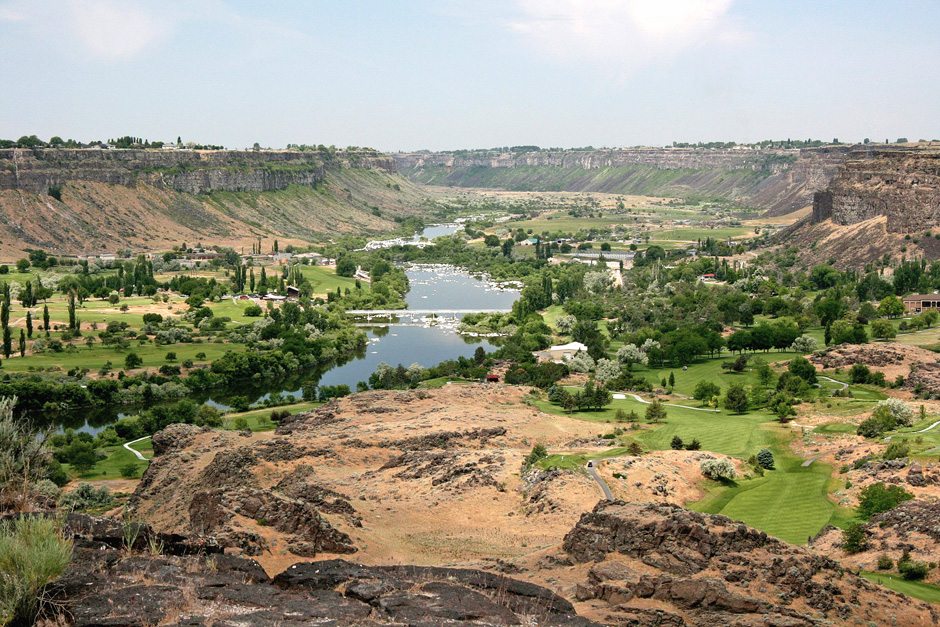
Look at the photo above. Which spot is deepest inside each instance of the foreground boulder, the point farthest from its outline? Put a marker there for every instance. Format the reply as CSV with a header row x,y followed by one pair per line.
x,y
664,565
120,587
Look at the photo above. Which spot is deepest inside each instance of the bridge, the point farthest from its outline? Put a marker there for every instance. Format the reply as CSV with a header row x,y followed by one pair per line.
x,y
414,313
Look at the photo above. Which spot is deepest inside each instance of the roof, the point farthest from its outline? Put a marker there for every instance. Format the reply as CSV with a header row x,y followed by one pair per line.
x,y
923,297
570,346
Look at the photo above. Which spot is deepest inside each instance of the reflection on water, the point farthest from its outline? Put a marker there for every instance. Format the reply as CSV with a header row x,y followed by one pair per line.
x,y
432,287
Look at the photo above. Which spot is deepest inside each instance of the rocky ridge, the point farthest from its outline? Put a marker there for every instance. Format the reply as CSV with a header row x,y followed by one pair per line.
x,y
779,180
664,565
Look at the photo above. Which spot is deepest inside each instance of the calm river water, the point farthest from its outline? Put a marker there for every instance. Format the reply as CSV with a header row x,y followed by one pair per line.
x,y
432,288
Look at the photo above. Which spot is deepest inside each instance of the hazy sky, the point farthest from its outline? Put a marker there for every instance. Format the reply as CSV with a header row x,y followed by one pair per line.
x,y
444,74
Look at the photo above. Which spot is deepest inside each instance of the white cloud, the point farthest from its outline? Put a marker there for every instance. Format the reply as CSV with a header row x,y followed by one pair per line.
x,y
627,34
117,29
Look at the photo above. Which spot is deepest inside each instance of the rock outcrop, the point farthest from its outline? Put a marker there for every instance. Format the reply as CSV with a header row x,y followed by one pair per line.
x,y
900,183
698,569
775,179
119,586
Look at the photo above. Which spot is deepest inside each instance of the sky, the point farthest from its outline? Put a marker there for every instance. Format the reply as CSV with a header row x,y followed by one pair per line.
x,y
451,74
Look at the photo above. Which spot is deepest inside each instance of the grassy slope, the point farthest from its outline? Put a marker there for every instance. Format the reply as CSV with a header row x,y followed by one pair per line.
x,y
916,589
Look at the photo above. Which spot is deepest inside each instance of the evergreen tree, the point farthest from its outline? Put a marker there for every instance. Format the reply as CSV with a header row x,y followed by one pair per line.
x,y
7,342
5,314
45,319
72,309
29,324
252,285
22,343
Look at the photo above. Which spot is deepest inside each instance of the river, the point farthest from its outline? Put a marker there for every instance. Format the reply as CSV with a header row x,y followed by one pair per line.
x,y
432,287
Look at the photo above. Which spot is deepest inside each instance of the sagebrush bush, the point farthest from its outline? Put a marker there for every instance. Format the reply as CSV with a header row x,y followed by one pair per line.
x,y
33,553
85,497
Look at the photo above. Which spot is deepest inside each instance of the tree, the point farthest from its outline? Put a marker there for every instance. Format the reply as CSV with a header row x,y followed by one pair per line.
x,y
45,319
22,265
345,267
899,410
672,380
736,398
630,354
801,367
676,443
883,329
29,324
655,411
133,360
765,458
606,370
804,344
859,373
81,456
854,539
705,391
7,342
22,343
891,307
765,374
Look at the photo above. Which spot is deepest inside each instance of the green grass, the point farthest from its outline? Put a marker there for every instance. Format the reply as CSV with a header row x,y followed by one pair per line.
x,y
693,234
915,589
578,460
836,427
256,417
789,503
117,458
325,279
95,357
710,370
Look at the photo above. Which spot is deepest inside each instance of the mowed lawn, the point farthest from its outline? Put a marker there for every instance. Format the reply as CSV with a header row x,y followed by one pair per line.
x,y
916,589
324,279
790,502
97,355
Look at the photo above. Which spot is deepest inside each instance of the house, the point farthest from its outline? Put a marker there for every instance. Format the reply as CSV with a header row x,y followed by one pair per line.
x,y
708,276
915,303
532,241
562,352
293,292
492,378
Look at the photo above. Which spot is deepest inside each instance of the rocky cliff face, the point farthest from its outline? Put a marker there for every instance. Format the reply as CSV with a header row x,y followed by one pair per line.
x,y
902,184
779,180
74,201
190,171
663,565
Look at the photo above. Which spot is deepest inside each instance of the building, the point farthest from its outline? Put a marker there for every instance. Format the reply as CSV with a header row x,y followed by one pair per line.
x,y
916,303
293,292
562,352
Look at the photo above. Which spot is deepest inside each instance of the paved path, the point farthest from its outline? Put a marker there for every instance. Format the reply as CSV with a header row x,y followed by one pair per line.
x,y
667,405
888,439
590,468
139,455
844,385
809,461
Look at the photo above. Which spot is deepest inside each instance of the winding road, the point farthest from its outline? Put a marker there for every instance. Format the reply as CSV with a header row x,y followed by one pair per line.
x,y
139,455
844,385
603,484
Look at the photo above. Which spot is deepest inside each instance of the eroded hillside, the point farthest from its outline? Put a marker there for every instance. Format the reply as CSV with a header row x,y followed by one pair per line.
x,y
72,201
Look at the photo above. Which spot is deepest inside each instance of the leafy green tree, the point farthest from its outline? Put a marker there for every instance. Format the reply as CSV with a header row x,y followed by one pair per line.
x,y
859,373
891,307
802,368
655,412
765,458
22,265
854,538
736,398
883,329
705,391
133,360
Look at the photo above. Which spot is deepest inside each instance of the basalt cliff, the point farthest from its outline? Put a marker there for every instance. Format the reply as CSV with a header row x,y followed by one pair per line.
x,y
778,180
92,200
881,201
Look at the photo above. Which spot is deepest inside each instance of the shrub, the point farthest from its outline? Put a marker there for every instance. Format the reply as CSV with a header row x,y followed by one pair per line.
x,y
86,497
880,421
910,569
171,356
538,452
677,443
859,374
129,470
765,458
885,563
854,539
900,411
33,553
705,391
240,423
694,445
897,450
719,469
878,498
253,311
